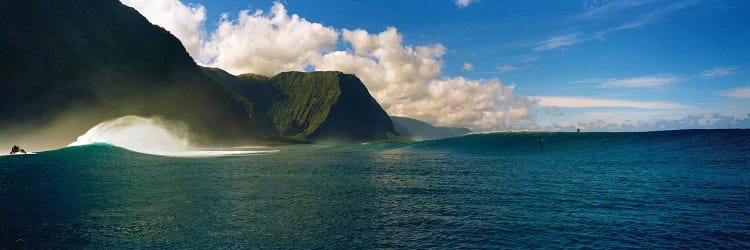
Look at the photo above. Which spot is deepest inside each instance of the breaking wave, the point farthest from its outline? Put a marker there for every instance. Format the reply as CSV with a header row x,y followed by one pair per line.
x,y
155,136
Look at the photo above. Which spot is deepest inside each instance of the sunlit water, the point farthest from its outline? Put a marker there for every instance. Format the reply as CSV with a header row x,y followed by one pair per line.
x,y
686,189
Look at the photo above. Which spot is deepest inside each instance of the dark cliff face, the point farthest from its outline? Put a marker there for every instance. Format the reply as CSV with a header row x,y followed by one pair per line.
x,y
416,129
104,59
318,106
92,60
356,116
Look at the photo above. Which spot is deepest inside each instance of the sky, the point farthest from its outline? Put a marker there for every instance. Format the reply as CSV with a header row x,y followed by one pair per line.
x,y
631,65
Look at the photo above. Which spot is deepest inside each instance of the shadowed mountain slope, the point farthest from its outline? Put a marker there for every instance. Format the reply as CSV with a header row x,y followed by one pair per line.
x,y
416,129
317,106
99,59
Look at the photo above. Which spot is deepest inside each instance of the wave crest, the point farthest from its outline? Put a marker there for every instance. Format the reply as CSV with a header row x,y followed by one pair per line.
x,y
153,135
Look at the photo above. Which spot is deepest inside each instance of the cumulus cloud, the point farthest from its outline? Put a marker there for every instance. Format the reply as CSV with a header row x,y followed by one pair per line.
x,y
267,44
741,92
184,21
586,102
468,66
464,3
406,82
718,72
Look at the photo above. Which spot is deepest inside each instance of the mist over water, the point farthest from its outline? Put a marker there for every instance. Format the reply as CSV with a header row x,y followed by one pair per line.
x,y
145,135
152,135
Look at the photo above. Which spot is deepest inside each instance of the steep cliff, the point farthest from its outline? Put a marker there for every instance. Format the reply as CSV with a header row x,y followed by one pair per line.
x,y
99,59
317,106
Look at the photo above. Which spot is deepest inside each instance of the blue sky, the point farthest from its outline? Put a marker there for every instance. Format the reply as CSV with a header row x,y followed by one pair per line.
x,y
676,58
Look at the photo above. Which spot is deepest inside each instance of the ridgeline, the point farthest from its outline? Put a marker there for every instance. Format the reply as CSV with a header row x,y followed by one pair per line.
x,y
81,62
316,106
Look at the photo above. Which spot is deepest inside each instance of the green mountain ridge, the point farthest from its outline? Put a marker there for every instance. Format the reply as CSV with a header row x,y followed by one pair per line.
x,y
316,106
69,65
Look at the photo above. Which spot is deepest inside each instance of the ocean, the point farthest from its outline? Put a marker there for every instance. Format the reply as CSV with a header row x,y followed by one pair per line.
x,y
669,189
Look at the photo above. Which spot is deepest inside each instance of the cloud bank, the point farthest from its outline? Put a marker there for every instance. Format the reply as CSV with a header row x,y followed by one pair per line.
x,y
406,80
741,93
704,121
585,102
266,44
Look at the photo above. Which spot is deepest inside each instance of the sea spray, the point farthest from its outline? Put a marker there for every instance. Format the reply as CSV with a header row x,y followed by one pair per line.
x,y
154,135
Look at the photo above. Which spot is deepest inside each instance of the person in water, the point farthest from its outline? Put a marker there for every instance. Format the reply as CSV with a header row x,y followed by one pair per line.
x,y
16,149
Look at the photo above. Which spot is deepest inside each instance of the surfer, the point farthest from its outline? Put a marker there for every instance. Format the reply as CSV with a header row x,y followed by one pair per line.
x,y
16,149
578,130
539,140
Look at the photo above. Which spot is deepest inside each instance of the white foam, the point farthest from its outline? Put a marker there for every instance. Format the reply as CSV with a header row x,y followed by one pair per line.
x,y
27,153
152,135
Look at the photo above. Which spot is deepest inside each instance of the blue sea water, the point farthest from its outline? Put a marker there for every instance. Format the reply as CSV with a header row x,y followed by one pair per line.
x,y
671,189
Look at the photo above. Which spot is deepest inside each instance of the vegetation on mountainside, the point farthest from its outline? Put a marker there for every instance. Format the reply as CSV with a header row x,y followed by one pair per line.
x,y
318,106
93,60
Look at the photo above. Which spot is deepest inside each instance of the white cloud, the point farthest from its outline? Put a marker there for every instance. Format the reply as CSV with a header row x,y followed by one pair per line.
x,y
267,44
614,9
184,21
741,92
608,9
655,15
406,82
528,59
552,110
637,82
718,72
468,66
640,82
507,67
559,41
405,79
464,3
586,102
694,121
389,69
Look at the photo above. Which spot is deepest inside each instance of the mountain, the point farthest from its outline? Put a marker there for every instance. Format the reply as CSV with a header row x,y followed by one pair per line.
x,y
416,129
99,59
68,65
316,106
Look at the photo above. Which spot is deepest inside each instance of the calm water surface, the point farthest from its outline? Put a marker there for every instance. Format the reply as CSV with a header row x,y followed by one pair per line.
x,y
685,189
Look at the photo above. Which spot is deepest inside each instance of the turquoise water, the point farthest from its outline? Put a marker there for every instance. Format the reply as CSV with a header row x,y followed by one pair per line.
x,y
686,189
